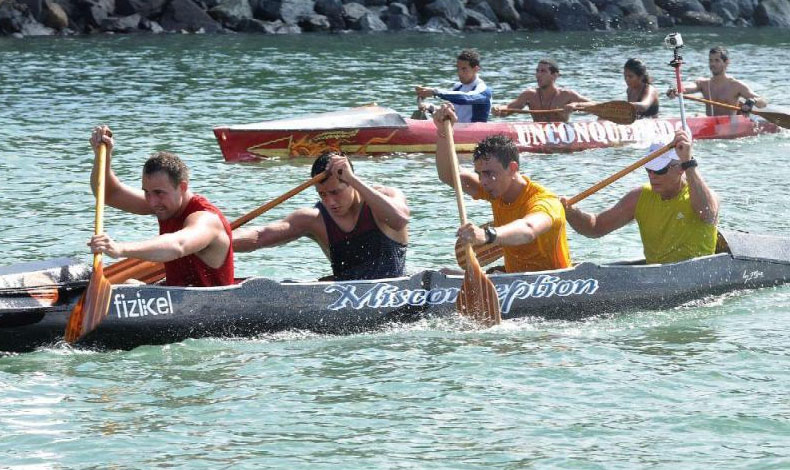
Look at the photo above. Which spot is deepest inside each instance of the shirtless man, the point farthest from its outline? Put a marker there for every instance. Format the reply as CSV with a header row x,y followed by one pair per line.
x,y
546,96
362,228
721,87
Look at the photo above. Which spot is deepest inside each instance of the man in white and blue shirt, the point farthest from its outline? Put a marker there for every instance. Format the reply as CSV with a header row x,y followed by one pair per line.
x,y
470,96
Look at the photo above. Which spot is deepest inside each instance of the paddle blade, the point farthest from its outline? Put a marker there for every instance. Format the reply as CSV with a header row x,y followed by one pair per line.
x,y
780,119
478,299
618,112
91,308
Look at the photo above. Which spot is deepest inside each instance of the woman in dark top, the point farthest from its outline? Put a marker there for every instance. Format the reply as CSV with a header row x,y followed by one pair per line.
x,y
640,92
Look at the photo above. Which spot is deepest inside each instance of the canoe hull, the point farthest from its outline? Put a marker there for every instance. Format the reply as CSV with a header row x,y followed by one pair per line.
x,y
159,314
256,142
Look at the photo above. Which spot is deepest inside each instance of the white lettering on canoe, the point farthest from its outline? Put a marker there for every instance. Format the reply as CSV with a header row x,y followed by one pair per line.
x,y
385,295
141,306
754,275
539,134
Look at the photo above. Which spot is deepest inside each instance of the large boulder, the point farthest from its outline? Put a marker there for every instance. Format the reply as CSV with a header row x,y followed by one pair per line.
x,y
231,12
678,7
16,18
506,11
482,6
479,22
316,23
125,24
185,15
640,22
290,11
728,10
55,16
333,10
98,10
700,18
371,22
773,13
631,7
566,15
747,8
146,8
398,17
451,10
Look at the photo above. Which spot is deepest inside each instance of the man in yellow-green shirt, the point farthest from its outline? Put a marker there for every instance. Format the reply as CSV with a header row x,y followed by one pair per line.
x,y
676,212
529,220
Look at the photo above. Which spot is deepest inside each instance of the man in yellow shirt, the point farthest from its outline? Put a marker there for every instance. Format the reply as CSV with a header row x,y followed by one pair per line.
x,y
676,212
529,220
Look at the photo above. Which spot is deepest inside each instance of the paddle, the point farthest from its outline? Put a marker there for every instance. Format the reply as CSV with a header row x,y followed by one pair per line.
x,y
95,301
149,272
478,297
780,119
618,112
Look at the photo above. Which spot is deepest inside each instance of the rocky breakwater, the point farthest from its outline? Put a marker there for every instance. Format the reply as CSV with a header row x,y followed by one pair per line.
x,y
48,17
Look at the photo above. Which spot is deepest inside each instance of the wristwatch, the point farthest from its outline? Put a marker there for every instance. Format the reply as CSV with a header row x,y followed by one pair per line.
x,y
689,164
490,234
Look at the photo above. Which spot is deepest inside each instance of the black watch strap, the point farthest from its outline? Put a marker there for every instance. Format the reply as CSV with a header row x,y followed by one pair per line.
x,y
689,164
490,234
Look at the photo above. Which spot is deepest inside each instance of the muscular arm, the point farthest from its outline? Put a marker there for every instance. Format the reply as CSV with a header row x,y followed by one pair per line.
x,y
598,225
703,199
470,183
747,93
387,204
299,223
116,193
200,230
524,230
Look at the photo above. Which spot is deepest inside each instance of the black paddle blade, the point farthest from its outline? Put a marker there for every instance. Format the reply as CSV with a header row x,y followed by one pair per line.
x,y
478,299
91,308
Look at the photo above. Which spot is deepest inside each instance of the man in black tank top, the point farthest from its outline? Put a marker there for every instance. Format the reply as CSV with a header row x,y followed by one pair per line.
x,y
363,229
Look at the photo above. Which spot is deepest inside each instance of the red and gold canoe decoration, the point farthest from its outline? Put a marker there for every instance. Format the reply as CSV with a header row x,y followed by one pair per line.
x,y
376,130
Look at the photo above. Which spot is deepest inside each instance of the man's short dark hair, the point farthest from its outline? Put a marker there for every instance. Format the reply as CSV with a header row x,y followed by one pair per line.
x,y
725,56
497,146
471,56
169,163
320,163
553,67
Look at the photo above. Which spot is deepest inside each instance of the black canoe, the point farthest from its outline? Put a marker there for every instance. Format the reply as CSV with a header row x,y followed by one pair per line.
x,y
35,299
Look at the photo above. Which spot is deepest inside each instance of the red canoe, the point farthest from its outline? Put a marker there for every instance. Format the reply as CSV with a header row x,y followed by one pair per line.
x,y
374,130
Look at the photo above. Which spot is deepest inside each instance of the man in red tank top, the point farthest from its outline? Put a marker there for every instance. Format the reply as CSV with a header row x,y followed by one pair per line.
x,y
195,240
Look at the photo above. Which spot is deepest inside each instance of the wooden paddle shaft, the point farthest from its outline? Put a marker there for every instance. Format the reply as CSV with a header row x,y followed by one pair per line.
x,y
714,103
531,111
98,228
447,127
611,179
278,200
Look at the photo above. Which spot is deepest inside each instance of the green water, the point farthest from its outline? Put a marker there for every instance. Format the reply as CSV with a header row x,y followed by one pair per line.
x,y
702,386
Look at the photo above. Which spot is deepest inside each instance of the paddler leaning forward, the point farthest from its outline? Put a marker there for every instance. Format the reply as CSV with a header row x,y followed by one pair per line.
x,y
363,229
676,211
194,242
529,220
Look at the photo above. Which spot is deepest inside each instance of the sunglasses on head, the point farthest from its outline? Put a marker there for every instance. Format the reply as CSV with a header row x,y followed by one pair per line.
x,y
662,171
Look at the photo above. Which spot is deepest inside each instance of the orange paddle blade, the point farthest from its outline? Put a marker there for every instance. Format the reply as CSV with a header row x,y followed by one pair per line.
x,y
91,308
478,298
